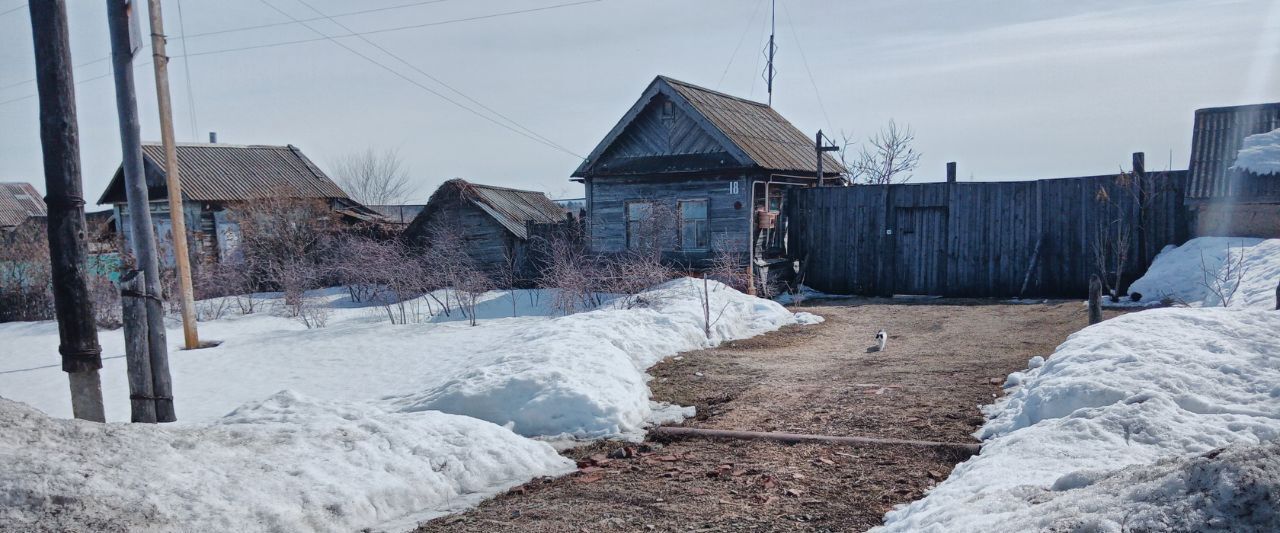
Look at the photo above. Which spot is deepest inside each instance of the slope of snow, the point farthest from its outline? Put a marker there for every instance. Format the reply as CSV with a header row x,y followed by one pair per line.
x,y
287,463
1260,153
1157,385
543,384
1178,273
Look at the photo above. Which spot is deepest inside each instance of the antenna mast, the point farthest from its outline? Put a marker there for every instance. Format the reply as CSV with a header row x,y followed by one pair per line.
x,y
769,70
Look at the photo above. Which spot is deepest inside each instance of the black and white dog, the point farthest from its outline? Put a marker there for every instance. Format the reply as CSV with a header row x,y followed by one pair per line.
x,y
881,338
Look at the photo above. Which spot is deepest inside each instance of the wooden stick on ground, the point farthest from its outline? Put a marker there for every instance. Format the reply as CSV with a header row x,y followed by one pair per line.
x,y
799,437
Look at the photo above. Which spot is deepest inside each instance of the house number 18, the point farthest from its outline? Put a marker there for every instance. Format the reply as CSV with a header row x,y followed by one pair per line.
x,y
733,188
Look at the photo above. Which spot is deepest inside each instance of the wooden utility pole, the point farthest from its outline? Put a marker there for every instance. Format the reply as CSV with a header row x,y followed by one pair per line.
x,y
120,20
137,358
179,224
819,148
68,253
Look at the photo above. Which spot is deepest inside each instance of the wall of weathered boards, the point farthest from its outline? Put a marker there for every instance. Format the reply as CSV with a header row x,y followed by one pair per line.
x,y
989,239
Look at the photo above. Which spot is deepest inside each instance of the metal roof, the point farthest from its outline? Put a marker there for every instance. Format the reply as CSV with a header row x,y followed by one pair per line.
x,y
512,208
753,131
398,213
1216,139
18,202
227,172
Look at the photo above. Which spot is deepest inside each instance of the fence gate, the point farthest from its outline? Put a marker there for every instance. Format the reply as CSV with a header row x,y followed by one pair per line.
x,y
920,250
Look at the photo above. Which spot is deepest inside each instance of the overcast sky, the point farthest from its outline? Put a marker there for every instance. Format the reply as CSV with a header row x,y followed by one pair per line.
x,y
1011,89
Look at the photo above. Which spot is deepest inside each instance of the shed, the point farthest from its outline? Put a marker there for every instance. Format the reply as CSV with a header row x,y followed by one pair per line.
x,y
1225,199
492,221
216,177
19,201
718,162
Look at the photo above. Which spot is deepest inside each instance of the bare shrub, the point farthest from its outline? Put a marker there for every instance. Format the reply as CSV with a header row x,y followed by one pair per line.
x,y
707,321
375,177
728,267
26,276
886,157
630,274
1225,281
312,312
284,242
570,271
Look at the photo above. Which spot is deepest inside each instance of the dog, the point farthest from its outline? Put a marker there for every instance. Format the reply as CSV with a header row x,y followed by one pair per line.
x,y
881,339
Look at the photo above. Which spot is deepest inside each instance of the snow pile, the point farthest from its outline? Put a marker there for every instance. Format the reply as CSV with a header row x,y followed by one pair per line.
x,y
582,375
1260,153
1160,385
1178,273
287,463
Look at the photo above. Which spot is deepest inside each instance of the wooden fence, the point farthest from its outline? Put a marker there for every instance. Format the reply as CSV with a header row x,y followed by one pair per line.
x,y
991,239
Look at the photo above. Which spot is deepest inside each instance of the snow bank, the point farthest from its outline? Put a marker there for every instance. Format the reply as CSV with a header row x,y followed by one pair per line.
x,y
1260,153
582,375
1158,385
287,463
1178,273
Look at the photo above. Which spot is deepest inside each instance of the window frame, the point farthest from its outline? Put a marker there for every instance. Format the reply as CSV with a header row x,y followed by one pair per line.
x,y
626,222
704,232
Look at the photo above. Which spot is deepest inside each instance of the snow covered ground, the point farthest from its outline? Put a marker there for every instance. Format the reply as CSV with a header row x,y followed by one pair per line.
x,y
332,426
1178,273
1105,434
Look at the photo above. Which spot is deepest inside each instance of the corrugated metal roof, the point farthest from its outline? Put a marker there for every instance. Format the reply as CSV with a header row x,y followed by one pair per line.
x,y
398,213
755,134
773,142
18,202
226,172
512,207
1216,139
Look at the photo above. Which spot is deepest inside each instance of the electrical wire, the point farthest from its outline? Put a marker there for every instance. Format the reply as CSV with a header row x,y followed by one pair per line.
x,y
11,10
741,39
334,40
796,36
439,81
186,69
314,19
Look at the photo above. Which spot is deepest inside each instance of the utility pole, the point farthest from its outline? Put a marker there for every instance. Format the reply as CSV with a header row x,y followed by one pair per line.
x,y
818,148
179,224
125,42
68,253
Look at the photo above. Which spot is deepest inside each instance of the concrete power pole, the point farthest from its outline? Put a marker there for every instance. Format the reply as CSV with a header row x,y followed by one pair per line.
x,y
68,253
179,224
125,42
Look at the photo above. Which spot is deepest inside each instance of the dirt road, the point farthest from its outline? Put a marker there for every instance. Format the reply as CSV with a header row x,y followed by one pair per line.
x,y
944,359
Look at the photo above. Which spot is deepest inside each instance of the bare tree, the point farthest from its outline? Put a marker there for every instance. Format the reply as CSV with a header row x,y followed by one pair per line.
x,y
285,242
884,158
375,177
1223,282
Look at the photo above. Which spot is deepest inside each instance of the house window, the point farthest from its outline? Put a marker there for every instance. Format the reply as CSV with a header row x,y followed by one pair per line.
x,y
639,224
695,231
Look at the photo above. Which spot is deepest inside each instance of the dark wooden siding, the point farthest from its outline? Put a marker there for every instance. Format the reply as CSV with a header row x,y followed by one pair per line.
x,y
607,198
977,239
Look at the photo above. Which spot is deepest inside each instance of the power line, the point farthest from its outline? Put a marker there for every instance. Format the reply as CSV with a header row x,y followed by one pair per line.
x,y
796,36
441,82
741,39
314,19
11,10
300,41
394,29
400,75
186,68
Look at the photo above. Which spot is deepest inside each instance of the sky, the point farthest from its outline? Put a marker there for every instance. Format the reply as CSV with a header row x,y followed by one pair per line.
x,y
1009,89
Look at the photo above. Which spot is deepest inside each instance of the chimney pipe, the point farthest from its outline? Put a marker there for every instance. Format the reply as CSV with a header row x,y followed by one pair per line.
x,y
213,137
951,172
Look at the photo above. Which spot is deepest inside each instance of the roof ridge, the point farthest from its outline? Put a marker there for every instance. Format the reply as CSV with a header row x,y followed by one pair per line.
x,y
219,145
669,79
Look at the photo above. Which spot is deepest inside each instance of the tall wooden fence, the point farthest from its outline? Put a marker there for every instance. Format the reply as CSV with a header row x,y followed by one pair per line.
x,y
991,239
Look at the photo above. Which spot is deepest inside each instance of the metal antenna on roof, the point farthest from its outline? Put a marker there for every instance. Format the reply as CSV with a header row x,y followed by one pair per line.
x,y
769,71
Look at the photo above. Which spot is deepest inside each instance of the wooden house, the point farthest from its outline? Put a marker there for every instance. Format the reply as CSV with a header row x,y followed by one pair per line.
x,y
492,221
19,203
216,177
1222,199
715,164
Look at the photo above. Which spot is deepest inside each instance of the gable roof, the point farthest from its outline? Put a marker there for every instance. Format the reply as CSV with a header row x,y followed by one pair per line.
x,y
511,208
1216,139
18,202
228,172
753,133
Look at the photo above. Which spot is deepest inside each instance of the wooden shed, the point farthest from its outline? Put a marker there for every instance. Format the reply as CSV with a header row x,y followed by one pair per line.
x,y
216,177
718,163
491,221
1224,200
